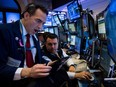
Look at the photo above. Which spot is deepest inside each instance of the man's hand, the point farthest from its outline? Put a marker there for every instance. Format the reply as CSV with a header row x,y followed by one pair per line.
x,y
37,71
83,75
51,63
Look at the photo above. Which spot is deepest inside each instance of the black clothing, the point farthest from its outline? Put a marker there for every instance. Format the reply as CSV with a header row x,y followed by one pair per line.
x,y
58,76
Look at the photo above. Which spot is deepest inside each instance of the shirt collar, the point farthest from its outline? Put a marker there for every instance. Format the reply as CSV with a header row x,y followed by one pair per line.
x,y
24,32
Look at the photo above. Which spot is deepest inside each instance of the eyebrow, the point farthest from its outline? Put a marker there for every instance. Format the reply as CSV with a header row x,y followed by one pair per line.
x,y
39,20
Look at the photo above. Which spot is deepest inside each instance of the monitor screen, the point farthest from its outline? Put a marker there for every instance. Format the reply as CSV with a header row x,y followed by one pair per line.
x,y
106,60
110,21
48,21
72,27
91,26
78,44
51,30
46,29
73,39
111,49
1,17
62,16
101,26
56,31
66,27
79,28
73,10
12,17
58,22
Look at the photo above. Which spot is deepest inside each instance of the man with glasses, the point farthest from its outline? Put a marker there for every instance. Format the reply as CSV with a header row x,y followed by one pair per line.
x,y
20,55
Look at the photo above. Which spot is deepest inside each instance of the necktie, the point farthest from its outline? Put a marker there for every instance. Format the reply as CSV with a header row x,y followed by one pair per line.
x,y
29,57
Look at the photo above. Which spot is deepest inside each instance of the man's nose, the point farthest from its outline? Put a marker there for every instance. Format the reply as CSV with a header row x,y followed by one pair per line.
x,y
40,26
52,45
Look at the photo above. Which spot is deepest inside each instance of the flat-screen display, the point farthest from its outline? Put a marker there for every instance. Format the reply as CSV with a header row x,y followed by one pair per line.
x,y
101,26
61,14
66,27
12,17
51,30
79,27
73,39
91,26
1,17
78,44
106,61
110,20
72,27
111,49
73,10
58,22
48,21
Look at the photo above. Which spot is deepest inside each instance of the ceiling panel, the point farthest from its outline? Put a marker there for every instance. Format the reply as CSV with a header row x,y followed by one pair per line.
x,y
95,5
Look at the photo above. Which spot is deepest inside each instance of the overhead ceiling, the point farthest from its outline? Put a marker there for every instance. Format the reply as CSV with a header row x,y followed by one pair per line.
x,y
61,5
95,5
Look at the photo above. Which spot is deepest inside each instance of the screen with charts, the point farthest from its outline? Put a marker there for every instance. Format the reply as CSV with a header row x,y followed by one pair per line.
x,y
48,21
73,10
58,22
12,17
73,39
101,26
72,27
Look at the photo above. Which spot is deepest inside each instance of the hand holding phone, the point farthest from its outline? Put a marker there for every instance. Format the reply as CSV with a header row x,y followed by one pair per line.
x,y
51,63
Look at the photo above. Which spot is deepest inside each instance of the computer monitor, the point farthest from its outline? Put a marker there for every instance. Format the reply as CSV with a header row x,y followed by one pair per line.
x,y
78,45
111,49
73,39
66,27
72,27
79,28
12,17
91,26
48,21
92,54
73,10
85,25
58,22
1,17
110,20
105,61
101,28
51,30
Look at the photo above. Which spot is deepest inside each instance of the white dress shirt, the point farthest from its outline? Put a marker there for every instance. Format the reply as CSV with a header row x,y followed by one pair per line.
x,y
24,33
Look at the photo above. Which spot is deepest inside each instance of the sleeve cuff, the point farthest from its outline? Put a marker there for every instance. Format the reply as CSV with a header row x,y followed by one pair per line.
x,y
17,75
71,75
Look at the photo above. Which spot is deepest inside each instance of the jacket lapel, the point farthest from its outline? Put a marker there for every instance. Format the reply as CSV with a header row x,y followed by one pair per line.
x,y
19,42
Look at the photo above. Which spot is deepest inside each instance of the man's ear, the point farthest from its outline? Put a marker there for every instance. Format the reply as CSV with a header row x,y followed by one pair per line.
x,y
26,15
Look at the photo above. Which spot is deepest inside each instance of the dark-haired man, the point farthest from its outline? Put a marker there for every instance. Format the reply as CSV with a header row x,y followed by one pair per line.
x,y
17,44
52,53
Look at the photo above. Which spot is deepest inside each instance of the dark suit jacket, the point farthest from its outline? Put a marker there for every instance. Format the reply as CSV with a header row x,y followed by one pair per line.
x,y
11,51
12,56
